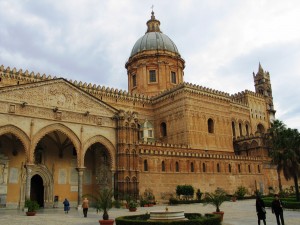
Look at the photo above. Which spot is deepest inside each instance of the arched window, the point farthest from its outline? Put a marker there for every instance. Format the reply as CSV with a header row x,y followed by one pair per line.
x,y
229,168
258,168
127,185
163,129
192,167
177,167
210,125
233,129
247,130
240,128
239,168
249,168
218,167
135,187
163,166
128,160
145,165
204,167
260,128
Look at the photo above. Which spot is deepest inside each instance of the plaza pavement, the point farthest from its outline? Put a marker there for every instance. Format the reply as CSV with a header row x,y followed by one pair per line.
x,y
236,213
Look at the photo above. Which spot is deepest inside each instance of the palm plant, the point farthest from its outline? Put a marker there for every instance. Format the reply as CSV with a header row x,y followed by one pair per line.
x,y
103,201
216,198
285,152
275,130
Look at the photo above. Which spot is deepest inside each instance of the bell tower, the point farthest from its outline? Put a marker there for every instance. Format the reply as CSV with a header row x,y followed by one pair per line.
x,y
263,86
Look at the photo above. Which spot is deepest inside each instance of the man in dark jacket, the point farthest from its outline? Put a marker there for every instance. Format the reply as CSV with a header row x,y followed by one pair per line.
x,y
260,209
277,209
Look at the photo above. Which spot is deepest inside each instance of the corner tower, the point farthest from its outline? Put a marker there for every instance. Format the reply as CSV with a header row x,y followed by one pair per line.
x,y
154,64
263,86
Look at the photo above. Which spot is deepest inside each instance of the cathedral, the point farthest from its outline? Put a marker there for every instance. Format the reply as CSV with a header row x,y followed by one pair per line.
x,y
62,139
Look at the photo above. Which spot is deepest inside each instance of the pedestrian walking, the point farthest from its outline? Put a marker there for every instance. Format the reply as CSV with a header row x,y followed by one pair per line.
x,y
278,209
260,210
66,206
85,206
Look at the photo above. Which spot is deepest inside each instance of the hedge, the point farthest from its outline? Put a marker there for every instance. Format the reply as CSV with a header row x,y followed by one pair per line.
x,y
287,203
193,219
175,201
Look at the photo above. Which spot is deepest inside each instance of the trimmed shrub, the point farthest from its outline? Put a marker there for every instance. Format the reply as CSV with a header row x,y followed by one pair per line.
x,y
186,190
241,192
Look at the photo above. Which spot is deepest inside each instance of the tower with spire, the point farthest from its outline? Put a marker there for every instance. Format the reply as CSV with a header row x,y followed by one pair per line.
x,y
263,86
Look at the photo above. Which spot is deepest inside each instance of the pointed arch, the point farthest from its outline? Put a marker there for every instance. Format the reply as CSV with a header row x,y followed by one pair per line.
x,y
20,134
108,145
55,127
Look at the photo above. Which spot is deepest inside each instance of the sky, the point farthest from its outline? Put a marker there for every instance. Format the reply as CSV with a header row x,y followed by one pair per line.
x,y
222,42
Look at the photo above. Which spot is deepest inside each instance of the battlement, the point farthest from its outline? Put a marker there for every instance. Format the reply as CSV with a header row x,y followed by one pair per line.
x,y
147,148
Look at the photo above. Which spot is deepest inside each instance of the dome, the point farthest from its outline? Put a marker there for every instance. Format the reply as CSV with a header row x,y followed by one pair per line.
x,y
154,39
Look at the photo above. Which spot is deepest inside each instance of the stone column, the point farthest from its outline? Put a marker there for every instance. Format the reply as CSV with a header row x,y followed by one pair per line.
x,y
28,181
80,182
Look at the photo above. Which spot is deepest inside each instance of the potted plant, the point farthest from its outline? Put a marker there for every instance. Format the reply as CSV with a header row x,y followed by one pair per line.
x,y
31,206
132,206
103,202
216,199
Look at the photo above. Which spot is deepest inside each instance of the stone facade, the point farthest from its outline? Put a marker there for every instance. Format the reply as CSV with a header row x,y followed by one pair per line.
x,y
62,139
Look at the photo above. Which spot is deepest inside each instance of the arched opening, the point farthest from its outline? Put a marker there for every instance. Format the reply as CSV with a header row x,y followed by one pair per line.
x,y
192,167
12,171
97,174
240,128
210,125
233,129
145,165
163,129
163,166
260,128
204,167
218,167
177,166
247,130
229,168
37,190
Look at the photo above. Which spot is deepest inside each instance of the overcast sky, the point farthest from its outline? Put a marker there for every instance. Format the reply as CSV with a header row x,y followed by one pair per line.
x,y
222,41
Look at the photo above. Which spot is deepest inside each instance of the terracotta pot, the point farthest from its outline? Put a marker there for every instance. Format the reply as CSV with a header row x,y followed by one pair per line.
x,y
30,213
106,222
132,209
221,214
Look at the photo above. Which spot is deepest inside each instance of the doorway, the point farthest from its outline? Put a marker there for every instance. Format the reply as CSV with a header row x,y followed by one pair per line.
x,y
37,190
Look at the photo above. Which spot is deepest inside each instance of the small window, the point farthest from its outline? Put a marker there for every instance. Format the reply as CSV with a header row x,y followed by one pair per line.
x,y
134,80
150,133
163,129
240,128
218,168
173,77
239,168
152,76
233,129
145,165
204,167
249,168
177,167
247,130
229,168
192,167
163,166
258,168
210,124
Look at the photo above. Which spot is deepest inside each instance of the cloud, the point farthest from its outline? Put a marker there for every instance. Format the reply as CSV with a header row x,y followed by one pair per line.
x,y
221,41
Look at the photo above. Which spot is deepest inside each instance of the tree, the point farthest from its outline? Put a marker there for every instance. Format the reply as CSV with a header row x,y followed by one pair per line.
x,y
274,133
286,152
